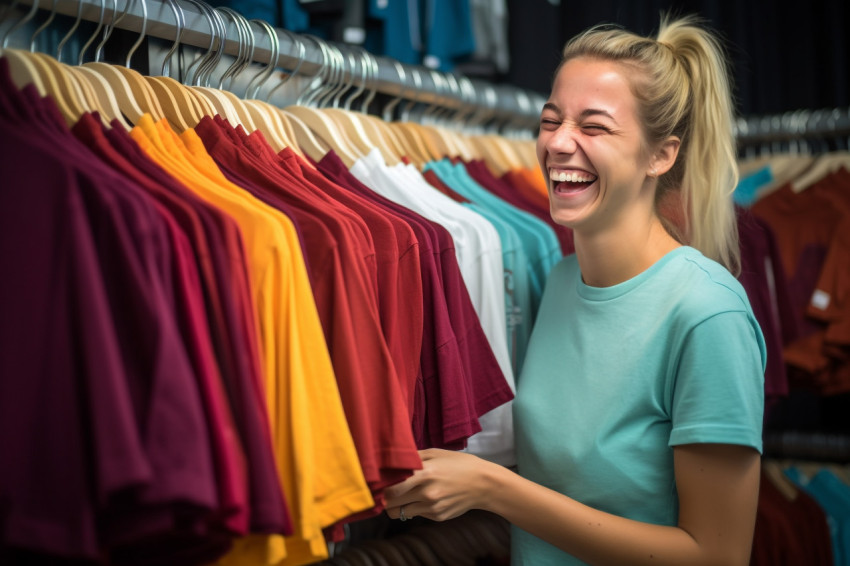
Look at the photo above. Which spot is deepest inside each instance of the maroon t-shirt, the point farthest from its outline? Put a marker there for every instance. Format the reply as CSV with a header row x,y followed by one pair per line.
x,y
117,381
763,278
789,531
188,304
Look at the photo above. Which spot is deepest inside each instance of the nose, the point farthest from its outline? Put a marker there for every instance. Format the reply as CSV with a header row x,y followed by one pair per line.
x,y
562,140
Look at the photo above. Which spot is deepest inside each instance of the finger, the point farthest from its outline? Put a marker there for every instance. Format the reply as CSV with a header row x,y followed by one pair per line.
x,y
395,512
399,489
430,453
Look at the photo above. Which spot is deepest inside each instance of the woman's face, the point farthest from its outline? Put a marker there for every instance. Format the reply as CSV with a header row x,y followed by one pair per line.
x,y
591,148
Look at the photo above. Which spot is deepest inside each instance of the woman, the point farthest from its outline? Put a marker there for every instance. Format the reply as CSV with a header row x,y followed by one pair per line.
x,y
639,408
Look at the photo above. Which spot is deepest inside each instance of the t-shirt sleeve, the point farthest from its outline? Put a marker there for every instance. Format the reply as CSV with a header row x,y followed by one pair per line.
x,y
718,395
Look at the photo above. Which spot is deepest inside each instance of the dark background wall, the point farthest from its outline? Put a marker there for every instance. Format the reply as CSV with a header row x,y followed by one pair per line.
x,y
784,55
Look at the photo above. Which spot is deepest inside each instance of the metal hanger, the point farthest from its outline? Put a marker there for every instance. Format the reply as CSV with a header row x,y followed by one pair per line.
x,y
180,109
304,116
46,74
106,100
267,119
301,139
216,99
418,152
131,93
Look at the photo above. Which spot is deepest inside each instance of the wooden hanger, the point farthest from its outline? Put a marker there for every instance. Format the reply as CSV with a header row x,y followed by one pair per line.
x,y
820,168
134,98
310,140
181,110
107,100
58,83
261,115
422,150
388,134
142,95
361,133
493,153
324,129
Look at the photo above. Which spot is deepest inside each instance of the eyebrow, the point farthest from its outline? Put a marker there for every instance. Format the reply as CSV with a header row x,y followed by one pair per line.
x,y
584,113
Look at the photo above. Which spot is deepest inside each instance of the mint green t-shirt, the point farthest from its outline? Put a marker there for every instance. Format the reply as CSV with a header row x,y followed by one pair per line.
x,y
615,377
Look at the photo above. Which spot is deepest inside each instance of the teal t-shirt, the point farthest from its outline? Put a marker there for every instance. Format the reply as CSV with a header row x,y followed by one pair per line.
x,y
615,377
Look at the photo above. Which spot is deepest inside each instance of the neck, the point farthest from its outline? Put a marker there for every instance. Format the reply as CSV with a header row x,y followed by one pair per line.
x,y
613,256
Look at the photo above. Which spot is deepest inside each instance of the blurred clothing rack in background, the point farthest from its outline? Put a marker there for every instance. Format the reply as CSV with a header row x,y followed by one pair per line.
x,y
502,104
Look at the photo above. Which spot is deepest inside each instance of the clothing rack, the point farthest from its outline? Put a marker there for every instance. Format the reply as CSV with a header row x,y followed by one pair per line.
x,y
791,126
813,446
308,56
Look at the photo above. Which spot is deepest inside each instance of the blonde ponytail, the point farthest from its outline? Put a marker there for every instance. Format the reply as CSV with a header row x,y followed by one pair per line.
x,y
682,89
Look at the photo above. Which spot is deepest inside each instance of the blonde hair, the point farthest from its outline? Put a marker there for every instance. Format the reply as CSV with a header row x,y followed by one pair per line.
x,y
682,88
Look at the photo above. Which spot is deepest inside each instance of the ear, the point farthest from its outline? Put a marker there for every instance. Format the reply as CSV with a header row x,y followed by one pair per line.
x,y
664,157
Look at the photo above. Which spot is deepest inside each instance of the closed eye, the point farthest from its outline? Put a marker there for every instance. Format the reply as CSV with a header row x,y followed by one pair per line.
x,y
596,128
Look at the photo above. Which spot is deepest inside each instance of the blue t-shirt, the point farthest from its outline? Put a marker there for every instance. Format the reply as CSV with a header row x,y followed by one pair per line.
x,y
615,377
746,193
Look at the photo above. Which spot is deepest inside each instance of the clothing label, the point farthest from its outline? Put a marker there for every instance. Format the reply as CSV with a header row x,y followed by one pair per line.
x,y
820,299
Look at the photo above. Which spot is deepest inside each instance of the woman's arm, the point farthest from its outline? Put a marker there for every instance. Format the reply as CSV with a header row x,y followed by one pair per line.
x,y
718,494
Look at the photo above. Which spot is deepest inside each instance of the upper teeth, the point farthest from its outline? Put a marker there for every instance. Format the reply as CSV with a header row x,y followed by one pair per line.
x,y
563,177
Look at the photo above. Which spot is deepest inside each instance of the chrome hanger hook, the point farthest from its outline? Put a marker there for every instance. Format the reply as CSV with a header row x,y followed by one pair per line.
x,y
302,53
107,32
372,68
141,34
85,47
342,85
210,60
417,85
388,109
362,87
246,41
261,77
70,33
309,94
27,17
201,60
180,22
47,22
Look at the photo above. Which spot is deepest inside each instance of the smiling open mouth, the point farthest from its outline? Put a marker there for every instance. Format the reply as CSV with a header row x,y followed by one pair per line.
x,y
572,182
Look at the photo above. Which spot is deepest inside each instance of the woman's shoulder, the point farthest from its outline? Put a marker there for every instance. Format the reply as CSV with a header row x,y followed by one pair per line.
x,y
704,285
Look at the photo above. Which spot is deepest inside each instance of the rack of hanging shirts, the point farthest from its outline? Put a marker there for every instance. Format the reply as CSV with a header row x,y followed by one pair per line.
x,y
799,189
232,325
795,195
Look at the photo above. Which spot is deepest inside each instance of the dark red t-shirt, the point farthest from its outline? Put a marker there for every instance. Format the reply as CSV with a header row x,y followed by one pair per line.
x,y
117,382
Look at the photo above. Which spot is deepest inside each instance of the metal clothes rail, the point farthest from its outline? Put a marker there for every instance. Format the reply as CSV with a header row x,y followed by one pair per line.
x,y
156,18
792,126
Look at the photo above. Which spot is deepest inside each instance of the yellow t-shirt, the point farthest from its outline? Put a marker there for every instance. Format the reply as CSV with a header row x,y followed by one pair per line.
x,y
317,463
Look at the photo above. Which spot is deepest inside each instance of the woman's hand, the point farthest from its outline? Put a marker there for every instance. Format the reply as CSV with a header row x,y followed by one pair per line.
x,y
448,485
